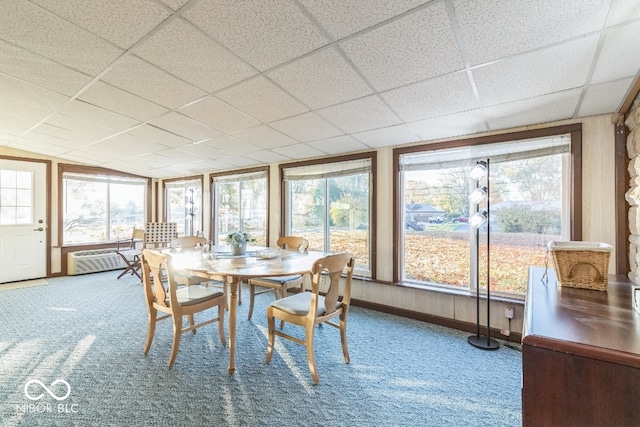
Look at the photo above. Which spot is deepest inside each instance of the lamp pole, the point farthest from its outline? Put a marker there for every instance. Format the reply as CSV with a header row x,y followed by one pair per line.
x,y
479,218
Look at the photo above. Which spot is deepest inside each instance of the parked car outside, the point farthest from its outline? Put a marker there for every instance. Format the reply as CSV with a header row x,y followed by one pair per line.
x,y
461,218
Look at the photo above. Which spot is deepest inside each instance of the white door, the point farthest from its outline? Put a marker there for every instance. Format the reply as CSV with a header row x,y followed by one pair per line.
x,y
23,221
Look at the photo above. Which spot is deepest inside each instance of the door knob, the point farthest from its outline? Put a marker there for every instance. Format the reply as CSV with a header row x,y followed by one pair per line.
x,y
38,229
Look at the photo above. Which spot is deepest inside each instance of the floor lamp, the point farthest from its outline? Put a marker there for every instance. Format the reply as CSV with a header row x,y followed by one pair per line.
x,y
481,172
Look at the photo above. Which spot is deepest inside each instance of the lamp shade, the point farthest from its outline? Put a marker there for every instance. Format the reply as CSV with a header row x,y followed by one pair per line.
x,y
478,219
478,195
479,170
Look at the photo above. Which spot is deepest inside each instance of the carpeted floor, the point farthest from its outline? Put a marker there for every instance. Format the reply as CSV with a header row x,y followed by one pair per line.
x,y
89,331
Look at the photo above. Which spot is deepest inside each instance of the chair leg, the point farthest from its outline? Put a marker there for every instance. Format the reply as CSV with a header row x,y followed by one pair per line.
x,y
221,326
153,313
309,331
177,332
283,293
191,322
271,321
343,336
252,295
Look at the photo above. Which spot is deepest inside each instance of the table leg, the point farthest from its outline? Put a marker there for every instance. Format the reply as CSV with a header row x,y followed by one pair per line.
x,y
233,309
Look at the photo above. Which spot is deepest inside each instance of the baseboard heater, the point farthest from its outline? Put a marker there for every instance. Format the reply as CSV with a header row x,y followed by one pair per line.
x,y
93,261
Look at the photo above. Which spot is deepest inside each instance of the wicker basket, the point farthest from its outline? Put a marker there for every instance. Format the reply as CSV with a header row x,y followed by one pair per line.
x,y
581,264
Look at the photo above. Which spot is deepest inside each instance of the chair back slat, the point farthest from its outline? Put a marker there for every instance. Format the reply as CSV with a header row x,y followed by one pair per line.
x,y
332,267
293,243
155,267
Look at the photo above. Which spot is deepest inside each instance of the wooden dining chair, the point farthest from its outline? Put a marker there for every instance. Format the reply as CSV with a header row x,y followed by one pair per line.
x,y
282,283
309,309
193,243
176,302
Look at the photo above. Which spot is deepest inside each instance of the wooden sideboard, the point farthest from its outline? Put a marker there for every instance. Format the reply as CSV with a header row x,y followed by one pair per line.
x,y
580,354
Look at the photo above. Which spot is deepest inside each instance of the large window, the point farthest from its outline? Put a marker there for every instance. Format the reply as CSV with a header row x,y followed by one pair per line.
x,y
101,207
329,204
240,204
531,203
183,205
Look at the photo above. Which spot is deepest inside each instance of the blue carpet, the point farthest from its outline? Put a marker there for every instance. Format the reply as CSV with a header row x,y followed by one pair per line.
x,y
89,331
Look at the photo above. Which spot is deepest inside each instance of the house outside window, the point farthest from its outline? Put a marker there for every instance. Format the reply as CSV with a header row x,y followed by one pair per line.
x,y
531,204
183,205
101,207
329,204
240,203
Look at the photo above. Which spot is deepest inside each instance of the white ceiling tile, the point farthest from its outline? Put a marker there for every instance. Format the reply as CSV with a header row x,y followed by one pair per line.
x,y
21,109
35,29
153,160
137,76
385,137
231,145
623,11
182,125
14,125
453,93
307,127
265,137
132,144
177,156
215,113
204,151
187,53
338,145
360,115
122,22
55,141
92,131
267,157
40,71
537,73
465,123
263,33
321,79
101,152
160,136
175,4
341,18
82,157
262,99
28,93
38,147
67,137
299,151
541,109
413,48
493,29
604,98
619,59
98,116
241,161
113,99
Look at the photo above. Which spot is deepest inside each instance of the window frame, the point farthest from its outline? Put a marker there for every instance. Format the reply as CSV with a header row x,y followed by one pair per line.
x,y
93,170
188,179
372,156
213,229
575,187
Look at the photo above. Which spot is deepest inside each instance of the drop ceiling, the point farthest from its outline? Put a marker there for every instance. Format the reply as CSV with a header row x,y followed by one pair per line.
x,y
169,88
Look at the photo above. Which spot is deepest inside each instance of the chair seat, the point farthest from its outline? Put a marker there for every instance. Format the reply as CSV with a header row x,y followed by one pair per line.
x,y
299,304
276,280
196,294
